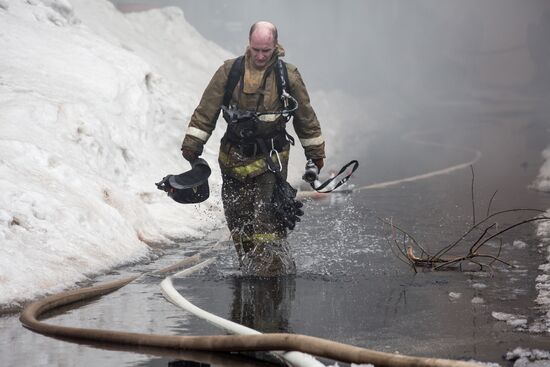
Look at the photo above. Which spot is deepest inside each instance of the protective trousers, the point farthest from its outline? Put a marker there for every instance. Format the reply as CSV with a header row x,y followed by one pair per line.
x,y
259,237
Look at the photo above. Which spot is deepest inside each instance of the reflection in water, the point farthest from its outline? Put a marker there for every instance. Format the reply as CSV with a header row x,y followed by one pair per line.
x,y
263,304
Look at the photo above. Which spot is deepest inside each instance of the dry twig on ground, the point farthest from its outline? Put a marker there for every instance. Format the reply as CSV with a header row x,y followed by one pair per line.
x,y
409,250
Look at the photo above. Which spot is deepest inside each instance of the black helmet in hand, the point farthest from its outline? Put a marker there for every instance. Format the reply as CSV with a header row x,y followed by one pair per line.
x,y
190,187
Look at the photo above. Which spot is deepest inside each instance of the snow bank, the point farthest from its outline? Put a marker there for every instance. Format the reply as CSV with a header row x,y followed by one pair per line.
x,y
542,182
93,106
543,232
517,321
528,357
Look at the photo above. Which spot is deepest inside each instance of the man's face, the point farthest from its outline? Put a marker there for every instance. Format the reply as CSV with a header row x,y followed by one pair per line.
x,y
262,47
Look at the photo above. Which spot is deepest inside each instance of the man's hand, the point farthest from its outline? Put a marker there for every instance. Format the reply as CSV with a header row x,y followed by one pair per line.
x,y
189,154
319,162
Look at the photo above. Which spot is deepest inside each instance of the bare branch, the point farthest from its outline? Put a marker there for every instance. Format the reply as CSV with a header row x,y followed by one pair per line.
x,y
495,259
448,263
449,247
436,262
509,228
499,250
411,237
404,256
481,237
491,202
393,228
477,263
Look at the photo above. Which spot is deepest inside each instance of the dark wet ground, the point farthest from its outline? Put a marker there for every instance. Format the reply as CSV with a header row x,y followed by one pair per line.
x,y
349,286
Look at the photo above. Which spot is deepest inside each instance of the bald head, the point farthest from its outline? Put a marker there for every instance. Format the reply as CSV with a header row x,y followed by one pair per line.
x,y
263,29
262,43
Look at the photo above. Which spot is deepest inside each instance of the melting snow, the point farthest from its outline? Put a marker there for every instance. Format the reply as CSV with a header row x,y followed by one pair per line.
x,y
91,118
94,105
478,300
453,296
529,357
517,321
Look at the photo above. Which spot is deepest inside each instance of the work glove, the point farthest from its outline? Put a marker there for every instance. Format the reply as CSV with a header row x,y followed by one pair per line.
x,y
287,209
189,154
319,162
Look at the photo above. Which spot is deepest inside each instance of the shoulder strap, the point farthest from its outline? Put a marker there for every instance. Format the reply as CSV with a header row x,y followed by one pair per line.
x,y
235,73
237,70
282,76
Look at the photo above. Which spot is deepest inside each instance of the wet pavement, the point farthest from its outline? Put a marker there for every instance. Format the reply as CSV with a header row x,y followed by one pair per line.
x,y
349,286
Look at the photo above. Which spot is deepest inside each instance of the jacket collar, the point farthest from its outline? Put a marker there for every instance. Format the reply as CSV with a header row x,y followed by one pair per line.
x,y
279,52
253,76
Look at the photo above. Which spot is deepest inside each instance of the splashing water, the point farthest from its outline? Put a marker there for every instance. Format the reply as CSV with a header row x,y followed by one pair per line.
x,y
268,260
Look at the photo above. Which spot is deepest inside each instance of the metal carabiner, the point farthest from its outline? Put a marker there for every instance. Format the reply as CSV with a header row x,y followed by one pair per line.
x,y
285,97
273,150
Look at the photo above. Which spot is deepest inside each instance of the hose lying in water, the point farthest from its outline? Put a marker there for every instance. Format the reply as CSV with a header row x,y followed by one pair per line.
x,y
215,343
296,359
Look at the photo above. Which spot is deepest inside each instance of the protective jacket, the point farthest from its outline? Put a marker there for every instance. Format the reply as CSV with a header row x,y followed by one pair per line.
x,y
256,91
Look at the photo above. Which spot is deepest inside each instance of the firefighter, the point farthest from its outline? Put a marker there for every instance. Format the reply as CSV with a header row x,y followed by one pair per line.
x,y
252,88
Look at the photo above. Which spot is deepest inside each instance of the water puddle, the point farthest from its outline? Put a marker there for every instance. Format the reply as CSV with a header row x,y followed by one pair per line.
x,y
349,286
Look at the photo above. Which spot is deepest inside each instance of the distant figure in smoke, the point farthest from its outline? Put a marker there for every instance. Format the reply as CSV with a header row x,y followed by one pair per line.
x,y
539,48
251,91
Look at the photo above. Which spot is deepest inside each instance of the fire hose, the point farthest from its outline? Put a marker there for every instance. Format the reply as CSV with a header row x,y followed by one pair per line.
x,y
214,343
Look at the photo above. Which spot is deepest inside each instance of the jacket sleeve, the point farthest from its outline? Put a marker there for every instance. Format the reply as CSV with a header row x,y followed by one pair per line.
x,y
305,121
203,121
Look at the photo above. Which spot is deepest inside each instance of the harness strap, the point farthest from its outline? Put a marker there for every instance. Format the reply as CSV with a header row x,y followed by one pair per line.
x,y
237,71
282,76
339,183
235,74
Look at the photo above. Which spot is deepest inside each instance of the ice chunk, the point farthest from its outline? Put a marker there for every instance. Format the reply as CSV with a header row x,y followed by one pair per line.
x,y
453,296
